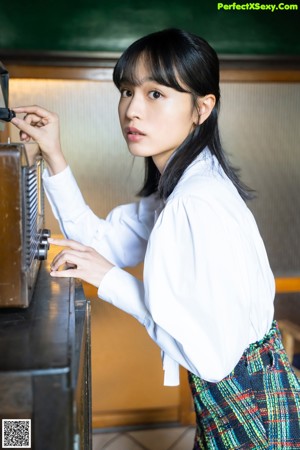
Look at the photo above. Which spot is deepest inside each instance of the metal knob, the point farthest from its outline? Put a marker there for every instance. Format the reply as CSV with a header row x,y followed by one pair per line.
x,y
41,252
46,233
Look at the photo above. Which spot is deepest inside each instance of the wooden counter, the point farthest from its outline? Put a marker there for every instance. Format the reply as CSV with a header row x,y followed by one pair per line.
x,y
45,364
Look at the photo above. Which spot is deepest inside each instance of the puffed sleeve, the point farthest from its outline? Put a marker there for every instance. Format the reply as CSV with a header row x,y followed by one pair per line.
x,y
205,261
121,237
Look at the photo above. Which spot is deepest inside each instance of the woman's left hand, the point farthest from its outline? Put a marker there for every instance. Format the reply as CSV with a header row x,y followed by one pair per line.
x,y
86,263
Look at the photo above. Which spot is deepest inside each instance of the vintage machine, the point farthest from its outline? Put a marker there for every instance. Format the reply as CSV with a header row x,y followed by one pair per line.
x,y
23,240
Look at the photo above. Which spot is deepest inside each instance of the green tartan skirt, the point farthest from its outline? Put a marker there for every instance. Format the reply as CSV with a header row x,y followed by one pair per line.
x,y
257,406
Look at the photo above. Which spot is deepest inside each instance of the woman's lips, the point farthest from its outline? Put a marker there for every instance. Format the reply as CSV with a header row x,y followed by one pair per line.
x,y
133,134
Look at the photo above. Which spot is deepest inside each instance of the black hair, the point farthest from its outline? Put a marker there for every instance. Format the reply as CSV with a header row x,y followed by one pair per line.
x,y
187,63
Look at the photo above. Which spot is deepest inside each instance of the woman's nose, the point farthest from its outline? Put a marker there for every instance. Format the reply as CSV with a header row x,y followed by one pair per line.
x,y
135,107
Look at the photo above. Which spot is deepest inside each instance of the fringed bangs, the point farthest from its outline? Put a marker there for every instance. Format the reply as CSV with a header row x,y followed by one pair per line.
x,y
160,62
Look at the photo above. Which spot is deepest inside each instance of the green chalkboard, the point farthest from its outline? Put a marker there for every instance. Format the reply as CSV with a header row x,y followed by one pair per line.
x,y
243,28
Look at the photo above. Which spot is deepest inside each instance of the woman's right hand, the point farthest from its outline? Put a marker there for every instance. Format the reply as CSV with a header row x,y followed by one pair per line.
x,y
43,127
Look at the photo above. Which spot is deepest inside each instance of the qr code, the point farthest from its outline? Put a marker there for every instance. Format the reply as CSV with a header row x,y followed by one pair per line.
x,y
16,433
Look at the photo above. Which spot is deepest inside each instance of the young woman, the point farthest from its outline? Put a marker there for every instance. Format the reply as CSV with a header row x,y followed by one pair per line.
x,y
208,290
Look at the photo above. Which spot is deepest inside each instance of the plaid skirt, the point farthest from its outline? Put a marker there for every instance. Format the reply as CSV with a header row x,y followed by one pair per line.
x,y
257,406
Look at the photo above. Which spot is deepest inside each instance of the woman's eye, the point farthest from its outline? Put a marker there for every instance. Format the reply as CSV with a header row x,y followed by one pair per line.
x,y
155,94
125,93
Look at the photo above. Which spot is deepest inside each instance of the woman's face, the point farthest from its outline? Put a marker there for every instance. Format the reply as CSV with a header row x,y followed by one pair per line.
x,y
155,119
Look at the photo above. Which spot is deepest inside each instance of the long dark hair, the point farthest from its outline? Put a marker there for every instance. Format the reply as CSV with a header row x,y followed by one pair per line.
x,y
176,58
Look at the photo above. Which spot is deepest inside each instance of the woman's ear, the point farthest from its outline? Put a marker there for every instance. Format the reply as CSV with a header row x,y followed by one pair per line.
x,y
205,105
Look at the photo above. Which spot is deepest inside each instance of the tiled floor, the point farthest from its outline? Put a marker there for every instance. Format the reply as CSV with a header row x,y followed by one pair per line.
x,y
171,438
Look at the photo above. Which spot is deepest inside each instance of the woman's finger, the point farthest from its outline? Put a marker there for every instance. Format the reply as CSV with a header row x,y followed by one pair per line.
x,y
34,109
68,243
69,273
35,120
27,130
90,266
24,136
72,257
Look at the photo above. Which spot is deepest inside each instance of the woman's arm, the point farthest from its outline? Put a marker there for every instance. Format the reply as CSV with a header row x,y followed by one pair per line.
x,y
122,236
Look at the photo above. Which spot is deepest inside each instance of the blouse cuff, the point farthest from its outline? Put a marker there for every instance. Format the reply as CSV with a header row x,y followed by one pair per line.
x,y
171,371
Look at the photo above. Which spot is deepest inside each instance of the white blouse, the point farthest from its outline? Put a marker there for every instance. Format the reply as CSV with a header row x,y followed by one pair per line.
x,y
208,289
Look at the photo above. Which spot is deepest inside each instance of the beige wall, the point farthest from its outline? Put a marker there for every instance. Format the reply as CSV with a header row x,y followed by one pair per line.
x,y
260,129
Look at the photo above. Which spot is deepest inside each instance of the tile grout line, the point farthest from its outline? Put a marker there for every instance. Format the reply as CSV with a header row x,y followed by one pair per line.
x,y
179,438
137,442
114,438
119,435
